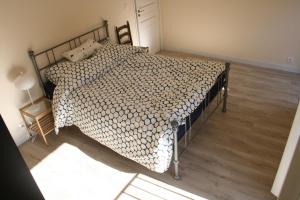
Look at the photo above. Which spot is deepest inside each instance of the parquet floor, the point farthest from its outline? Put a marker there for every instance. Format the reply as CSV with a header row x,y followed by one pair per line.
x,y
233,156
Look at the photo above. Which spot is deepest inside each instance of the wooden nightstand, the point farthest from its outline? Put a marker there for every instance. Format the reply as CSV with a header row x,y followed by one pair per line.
x,y
38,117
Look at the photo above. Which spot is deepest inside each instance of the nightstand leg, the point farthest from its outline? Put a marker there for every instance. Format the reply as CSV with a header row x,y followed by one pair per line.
x,y
42,133
28,129
44,137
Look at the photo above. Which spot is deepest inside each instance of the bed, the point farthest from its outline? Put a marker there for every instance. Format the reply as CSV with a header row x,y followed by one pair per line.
x,y
139,105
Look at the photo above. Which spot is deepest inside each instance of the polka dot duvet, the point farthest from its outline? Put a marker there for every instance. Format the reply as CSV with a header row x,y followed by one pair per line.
x,y
125,99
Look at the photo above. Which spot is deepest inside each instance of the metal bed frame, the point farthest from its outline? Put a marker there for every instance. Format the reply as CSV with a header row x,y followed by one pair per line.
x,y
220,85
52,58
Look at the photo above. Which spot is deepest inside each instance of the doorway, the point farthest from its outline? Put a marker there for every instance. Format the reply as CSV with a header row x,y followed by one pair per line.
x,y
148,21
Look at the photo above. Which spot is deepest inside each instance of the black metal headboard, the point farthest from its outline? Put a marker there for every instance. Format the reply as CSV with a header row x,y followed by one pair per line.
x,y
51,56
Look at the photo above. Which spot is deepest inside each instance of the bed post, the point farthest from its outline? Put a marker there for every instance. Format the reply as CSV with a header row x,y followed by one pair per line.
x,y
227,68
106,28
32,57
175,125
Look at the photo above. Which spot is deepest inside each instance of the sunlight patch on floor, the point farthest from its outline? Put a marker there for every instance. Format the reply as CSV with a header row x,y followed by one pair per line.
x,y
68,173
145,187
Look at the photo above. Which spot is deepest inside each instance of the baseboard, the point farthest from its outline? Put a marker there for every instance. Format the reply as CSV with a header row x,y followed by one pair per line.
x,y
22,139
286,68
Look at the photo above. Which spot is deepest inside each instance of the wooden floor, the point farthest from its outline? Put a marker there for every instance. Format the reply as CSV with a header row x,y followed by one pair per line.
x,y
235,155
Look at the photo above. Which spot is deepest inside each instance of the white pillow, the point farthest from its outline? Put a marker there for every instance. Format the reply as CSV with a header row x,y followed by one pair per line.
x,y
83,51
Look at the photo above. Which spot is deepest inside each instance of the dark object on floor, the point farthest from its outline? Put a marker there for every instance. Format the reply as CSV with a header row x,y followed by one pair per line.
x,y
49,89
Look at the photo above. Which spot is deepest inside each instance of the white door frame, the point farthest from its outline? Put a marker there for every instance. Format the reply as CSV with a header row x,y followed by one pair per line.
x,y
136,22
288,156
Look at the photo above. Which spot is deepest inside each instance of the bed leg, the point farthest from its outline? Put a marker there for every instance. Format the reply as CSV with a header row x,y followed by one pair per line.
x,y
227,68
175,125
190,129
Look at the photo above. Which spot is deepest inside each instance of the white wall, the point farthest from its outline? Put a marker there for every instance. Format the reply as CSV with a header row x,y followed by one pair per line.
x,y
39,24
258,32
